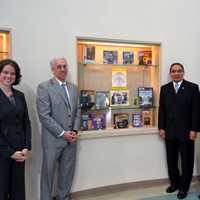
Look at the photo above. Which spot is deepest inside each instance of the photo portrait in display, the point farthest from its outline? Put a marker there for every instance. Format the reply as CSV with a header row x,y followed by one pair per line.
x,y
119,97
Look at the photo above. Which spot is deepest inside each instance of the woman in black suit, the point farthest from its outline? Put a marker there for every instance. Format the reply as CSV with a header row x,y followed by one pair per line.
x,y
15,133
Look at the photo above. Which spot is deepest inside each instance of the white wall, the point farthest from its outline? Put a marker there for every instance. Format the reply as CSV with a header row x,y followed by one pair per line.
x,y
42,29
117,160
45,28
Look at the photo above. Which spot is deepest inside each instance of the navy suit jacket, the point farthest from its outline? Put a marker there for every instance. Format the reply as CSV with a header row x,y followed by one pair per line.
x,y
179,113
15,128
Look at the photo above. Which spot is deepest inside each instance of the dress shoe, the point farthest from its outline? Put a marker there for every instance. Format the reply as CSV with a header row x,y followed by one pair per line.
x,y
181,194
171,188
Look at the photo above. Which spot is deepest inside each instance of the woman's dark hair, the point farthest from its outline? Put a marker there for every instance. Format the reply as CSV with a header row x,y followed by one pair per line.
x,y
179,64
5,62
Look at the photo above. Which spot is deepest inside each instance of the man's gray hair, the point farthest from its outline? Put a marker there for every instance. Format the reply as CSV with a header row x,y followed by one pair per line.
x,y
52,62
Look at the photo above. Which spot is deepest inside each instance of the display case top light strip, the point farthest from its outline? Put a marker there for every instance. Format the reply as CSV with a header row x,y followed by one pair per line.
x,y
113,44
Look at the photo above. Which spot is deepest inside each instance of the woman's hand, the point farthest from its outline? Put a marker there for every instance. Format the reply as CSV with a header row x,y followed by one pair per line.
x,y
18,156
25,153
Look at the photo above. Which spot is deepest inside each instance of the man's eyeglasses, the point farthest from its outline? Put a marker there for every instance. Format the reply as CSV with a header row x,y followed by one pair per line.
x,y
176,71
61,66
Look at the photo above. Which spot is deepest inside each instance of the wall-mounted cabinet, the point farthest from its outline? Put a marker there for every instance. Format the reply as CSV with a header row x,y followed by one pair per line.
x,y
118,83
4,44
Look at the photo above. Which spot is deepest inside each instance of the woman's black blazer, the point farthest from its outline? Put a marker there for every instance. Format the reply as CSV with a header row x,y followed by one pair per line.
x,y
15,127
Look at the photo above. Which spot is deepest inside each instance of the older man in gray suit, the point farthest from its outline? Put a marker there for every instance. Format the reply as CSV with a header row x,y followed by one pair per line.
x,y
59,113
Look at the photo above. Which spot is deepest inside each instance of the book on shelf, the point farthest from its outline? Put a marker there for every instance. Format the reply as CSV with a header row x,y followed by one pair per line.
x,y
84,122
102,99
87,99
119,98
119,78
147,118
89,54
128,57
145,57
110,57
136,119
93,121
98,120
120,120
145,95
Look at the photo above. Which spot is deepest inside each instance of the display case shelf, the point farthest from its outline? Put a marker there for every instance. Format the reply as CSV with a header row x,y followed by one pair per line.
x,y
117,65
95,134
120,108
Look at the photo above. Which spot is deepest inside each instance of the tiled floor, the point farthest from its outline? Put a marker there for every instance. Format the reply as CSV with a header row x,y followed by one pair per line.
x,y
132,194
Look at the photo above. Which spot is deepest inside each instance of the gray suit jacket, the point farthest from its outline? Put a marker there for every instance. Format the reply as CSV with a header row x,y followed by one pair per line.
x,y
54,112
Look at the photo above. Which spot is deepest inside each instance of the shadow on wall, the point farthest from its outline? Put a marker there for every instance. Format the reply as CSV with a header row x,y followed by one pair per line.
x,y
33,165
197,153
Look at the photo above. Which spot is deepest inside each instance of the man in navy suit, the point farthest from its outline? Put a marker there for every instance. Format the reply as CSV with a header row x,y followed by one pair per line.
x,y
178,124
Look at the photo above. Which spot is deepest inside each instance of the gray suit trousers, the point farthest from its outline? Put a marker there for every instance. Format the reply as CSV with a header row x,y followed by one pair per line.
x,y
65,157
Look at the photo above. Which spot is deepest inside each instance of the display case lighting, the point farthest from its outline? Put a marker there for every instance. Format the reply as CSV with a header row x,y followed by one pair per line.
x,y
114,44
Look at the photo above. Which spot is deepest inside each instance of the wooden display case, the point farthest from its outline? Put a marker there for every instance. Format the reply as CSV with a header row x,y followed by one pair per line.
x,y
4,44
138,68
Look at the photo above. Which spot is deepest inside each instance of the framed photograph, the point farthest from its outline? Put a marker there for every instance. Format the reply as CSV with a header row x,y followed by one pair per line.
x,y
147,118
119,98
110,57
121,120
102,99
145,57
87,99
89,54
128,57
145,96
98,120
136,119
84,122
